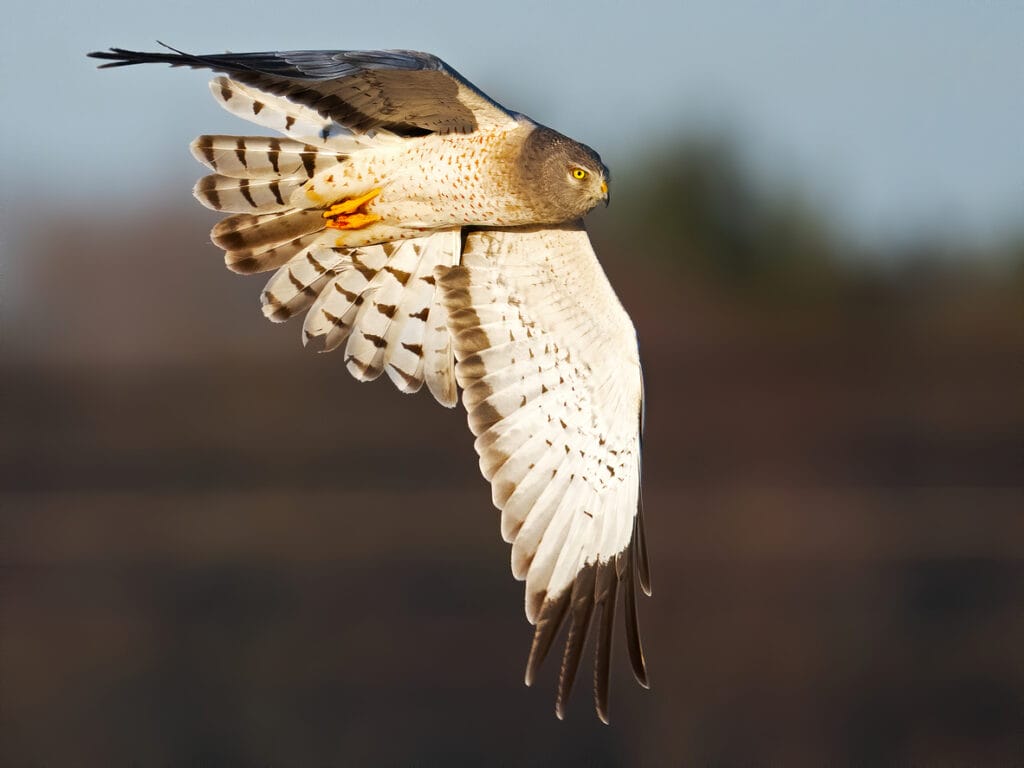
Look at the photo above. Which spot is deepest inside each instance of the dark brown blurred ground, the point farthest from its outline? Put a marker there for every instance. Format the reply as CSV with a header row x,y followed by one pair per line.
x,y
220,550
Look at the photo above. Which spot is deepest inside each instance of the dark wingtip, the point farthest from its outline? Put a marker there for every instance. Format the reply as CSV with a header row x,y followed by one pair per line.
x,y
549,621
627,573
642,561
595,586
606,595
582,610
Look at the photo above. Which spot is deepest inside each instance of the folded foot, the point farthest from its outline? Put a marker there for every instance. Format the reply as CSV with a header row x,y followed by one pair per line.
x,y
352,213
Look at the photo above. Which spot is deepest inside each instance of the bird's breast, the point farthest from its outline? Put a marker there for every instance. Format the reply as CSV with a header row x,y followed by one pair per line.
x,y
461,179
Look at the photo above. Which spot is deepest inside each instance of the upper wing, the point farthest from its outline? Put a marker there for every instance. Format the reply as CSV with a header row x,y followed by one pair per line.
x,y
405,92
548,362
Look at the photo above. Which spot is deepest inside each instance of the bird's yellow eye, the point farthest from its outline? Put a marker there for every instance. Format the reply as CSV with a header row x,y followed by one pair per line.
x,y
579,173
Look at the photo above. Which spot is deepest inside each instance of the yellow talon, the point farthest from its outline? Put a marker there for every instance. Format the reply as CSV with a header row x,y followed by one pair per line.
x,y
346,214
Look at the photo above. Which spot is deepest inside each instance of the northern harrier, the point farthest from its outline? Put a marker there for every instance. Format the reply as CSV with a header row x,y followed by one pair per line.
x,y
420,223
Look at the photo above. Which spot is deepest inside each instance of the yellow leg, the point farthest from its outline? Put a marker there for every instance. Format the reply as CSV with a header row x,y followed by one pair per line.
x,y
346,214
353,221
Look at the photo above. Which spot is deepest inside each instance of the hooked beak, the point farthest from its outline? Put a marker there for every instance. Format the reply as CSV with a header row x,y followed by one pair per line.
x,y
604,191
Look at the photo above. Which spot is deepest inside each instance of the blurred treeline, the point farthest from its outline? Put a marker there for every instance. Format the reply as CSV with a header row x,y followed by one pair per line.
x,y
701,209
219,549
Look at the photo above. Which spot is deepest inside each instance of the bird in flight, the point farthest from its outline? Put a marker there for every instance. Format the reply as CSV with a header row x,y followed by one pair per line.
x,y
439,237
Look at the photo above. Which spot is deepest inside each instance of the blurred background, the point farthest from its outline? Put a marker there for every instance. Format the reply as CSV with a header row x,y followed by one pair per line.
x,y
208,556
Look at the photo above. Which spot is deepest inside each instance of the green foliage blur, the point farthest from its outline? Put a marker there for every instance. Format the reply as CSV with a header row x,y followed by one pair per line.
x,y
700,210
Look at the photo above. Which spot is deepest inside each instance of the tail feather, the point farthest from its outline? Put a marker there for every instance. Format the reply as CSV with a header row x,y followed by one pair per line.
x,y
248,262
257,243
262,157
246,195
260,232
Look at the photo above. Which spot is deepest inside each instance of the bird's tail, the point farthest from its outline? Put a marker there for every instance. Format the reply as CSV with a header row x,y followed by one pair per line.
x,y
261,178
254,178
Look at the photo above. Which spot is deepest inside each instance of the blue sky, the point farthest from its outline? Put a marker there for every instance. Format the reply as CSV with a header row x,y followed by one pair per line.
x,y
897,116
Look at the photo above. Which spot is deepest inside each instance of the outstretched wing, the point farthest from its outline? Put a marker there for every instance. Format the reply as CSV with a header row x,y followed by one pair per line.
x,y
548,362
405,92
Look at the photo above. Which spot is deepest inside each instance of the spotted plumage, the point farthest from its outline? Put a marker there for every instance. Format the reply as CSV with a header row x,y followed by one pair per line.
x,y
436,237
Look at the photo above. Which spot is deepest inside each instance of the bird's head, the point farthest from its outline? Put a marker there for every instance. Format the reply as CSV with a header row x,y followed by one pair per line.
x,y
561,178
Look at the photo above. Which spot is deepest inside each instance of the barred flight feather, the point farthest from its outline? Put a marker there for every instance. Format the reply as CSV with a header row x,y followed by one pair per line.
x,y
296,285
262,157
382,300
258,233
260,243
249,195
